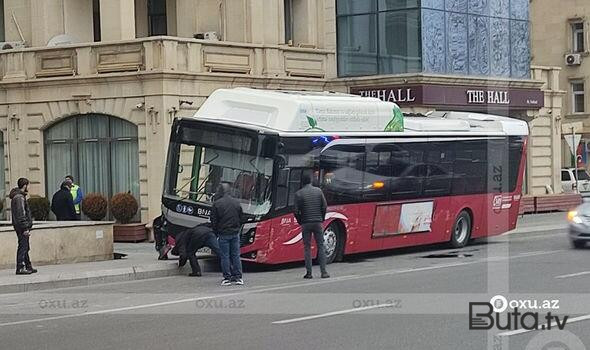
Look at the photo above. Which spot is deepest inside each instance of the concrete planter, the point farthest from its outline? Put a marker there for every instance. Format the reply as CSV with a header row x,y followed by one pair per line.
x,y
129,232
60,242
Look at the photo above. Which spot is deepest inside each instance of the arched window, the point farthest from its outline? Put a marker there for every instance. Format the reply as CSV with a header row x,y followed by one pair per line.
x,y
100,151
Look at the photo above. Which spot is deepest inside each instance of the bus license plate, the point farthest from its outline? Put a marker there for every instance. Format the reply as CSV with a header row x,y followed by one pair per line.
x,y
205,250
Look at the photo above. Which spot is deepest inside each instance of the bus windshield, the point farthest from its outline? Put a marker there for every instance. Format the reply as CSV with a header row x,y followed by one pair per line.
x,y
201,157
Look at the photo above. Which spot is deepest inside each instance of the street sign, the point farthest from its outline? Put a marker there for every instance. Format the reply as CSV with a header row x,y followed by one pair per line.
x,y
573,141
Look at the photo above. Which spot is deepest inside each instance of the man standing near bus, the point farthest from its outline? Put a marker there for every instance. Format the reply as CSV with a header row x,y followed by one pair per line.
x,y
77,195
22,221
310,211
226,221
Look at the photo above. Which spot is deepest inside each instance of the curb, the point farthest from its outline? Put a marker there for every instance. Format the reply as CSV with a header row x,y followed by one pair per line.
x,y
54,281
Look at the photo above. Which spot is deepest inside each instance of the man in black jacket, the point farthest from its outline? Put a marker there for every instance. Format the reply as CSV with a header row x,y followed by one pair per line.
x,y
62,204
22,221
194,239
226,221
310,211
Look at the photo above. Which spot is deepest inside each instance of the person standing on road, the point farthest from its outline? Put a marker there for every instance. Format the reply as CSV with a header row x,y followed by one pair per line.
x,y
226,220
310,211
77,196
22,221
62,204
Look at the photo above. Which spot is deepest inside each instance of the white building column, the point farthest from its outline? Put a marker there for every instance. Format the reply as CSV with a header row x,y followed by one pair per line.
x,y
117,20
47,18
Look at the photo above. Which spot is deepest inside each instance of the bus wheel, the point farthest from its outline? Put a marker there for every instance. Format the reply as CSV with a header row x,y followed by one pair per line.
x,y
461,230
333,243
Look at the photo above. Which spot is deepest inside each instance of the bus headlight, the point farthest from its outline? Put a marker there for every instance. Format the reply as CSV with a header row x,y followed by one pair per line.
x,y
248,237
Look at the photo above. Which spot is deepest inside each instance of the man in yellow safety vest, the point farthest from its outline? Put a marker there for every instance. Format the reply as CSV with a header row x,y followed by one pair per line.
x,y
77,195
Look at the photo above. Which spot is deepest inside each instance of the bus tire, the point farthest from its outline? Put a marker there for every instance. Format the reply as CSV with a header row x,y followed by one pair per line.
x,y
333,243
461,232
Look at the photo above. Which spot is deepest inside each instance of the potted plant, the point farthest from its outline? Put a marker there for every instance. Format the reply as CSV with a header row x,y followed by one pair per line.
x,y
124,207
39,208
95,206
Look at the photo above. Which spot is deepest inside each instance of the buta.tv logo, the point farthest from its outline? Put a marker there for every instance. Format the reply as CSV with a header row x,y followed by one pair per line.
x,y
509,315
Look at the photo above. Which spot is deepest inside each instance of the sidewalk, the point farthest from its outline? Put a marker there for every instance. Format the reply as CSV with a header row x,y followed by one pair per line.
x,y
140,263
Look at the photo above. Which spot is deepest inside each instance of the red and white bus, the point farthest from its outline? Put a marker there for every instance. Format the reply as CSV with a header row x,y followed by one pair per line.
x,y
447,177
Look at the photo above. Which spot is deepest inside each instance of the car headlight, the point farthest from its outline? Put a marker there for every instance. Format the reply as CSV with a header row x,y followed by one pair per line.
x,y
573,217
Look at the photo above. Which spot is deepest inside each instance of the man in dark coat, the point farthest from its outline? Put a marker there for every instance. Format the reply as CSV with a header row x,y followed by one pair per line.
x,y
62,204
310,211
22,221
194,239
226,221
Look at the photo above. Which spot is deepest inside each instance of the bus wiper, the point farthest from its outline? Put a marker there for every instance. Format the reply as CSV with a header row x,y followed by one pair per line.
x,y
197,175
254,166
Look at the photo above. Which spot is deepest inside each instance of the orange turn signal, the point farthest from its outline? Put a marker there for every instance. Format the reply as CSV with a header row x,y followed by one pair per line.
x,y
378,184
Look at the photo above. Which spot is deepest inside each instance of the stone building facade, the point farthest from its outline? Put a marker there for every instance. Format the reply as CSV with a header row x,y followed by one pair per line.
x,y
559,38
90,87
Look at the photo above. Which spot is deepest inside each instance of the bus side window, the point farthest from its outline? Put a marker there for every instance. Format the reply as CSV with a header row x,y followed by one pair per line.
x,y
439,158
378,172
342,173
294,185
470,167
282,194
409,171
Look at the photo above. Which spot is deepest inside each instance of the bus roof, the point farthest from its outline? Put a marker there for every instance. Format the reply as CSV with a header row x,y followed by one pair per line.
x,y
316,112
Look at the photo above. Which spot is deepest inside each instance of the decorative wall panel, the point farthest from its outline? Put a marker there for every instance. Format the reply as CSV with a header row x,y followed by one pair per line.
x,y
434,4
433,41
479,45
519,42
456,43
500,47
519,9
456,5
478,7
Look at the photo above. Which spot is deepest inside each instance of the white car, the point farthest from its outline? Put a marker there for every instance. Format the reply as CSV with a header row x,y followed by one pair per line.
x,y
568,180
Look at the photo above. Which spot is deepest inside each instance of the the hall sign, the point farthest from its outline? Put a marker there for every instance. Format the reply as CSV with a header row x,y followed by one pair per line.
x,y
488,97
400,95
457,97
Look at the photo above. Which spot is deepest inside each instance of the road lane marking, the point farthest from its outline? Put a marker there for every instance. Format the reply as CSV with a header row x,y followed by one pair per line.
x,y
333,313
271,288
553,324
574,274
535,229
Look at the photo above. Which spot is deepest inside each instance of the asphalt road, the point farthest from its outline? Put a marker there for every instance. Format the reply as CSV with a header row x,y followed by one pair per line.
x,y
403,299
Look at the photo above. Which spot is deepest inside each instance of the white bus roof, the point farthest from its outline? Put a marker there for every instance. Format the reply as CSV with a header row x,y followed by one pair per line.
x,y
302,111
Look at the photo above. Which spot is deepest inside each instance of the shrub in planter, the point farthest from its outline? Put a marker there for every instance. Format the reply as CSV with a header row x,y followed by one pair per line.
x,y
95,205
39,208
124,207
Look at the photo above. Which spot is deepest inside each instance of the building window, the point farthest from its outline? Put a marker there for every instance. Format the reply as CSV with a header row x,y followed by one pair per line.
x,y
578,100
378,37
157,22
101,152
578,36
288,21
96,19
